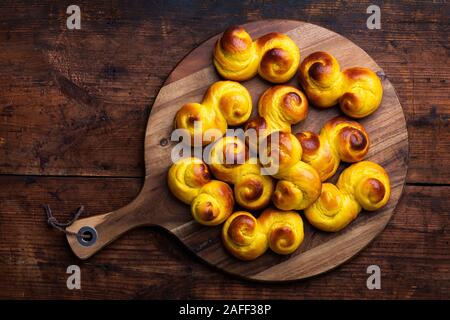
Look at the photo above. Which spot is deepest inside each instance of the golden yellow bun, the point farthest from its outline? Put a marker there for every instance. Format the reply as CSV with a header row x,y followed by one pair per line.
x,y
229,161
298,183
237,57
339,139
214,203
363,92
279,108
243,236
284,230
247,238
334,209
368,182
357,90
282,106
364,184
321,78
225,103
211,200
297,188
186,177
282,151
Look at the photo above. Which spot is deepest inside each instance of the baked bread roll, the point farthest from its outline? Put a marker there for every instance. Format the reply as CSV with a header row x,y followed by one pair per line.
x,y
225,103
211,201
363,185
298,183
339,139
237,57
357,90
230,162
247,238
243,236
279,108
284,230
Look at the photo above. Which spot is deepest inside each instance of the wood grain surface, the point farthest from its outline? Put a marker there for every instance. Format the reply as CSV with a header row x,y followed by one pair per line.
x,y
63,118
188,82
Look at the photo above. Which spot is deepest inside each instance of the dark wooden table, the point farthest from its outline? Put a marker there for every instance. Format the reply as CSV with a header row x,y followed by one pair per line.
x,y
73,110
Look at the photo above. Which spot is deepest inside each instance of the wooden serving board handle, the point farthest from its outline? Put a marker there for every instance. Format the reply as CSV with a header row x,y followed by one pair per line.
x,y
100,230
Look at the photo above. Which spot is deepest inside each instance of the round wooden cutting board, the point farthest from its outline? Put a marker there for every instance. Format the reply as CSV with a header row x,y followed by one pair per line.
x,y
320,251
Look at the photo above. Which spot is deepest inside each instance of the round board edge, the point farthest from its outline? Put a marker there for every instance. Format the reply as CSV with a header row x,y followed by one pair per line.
x,y
405,143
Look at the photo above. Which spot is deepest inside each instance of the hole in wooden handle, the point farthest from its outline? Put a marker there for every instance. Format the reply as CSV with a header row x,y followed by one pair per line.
x,y
87,236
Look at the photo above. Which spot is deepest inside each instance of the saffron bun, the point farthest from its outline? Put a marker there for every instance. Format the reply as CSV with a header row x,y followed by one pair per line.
x,y
230,161
211,201
247,237
279,108
284,230
363,185
340,139
274,56
225,103
243,236
298,184
357,90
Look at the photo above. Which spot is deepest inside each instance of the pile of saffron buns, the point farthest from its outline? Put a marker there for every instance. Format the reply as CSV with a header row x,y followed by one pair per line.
x,y
270,207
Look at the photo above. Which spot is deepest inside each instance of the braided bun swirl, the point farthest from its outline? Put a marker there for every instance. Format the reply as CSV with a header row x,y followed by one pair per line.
x,y
279,108
299,183
339,139
284,230
229,161
368,182
243,236
247,238
357,90
237,57
211,200
363,185
225,103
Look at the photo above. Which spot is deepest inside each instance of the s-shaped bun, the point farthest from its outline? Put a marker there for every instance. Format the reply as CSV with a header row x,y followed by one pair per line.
x,y
357,90
247,237
225,103
339,139
211,200
363,185
274,56
230,162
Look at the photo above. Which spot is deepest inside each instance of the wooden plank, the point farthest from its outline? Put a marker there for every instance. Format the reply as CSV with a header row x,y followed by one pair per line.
x,y
413,252
55,107
412,48
320,251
